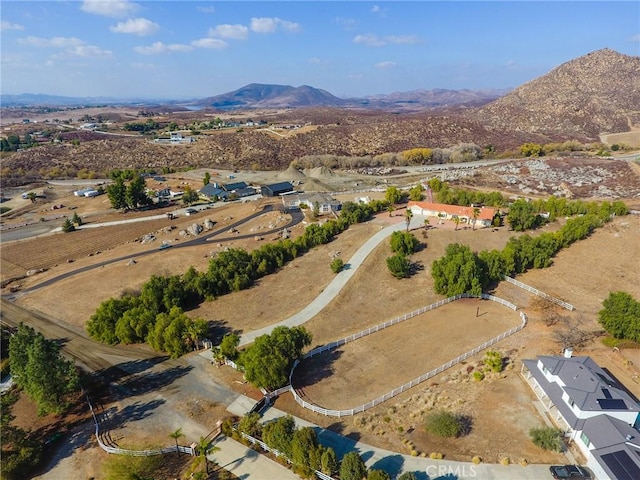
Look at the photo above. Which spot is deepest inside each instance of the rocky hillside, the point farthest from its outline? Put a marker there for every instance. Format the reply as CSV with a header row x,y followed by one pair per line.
x,y
596,93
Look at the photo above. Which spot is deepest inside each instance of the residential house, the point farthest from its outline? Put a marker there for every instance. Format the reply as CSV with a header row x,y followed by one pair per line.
x,y
325,202
451,212
213,191
594,410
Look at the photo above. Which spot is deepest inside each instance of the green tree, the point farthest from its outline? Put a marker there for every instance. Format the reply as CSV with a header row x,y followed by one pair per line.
x,y
415,193
443,424
32,197
404,243
329,462
304,450
279,434
531,150
268,361
393,195
39,369
250,424
189,196
68,226
408,476
117,193
548,438
390,209
522,216
337,265
378,475
399,265
621,316
494,361
459,271
76,219
456,220
136,193
229,345
352,467
206,179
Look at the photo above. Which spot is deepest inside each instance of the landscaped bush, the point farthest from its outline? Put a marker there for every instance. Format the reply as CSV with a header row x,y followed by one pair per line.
x,y
548,438
493,360
443,424
478,375
476,460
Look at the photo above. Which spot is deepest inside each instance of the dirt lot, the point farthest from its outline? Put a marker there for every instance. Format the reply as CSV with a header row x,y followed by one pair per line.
x,y
582,275
329,379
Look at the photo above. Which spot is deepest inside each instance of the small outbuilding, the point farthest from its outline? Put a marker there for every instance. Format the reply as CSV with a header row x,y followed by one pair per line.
x,y
275,189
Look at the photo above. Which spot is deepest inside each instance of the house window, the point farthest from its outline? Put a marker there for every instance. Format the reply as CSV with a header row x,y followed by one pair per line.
x,y
584,439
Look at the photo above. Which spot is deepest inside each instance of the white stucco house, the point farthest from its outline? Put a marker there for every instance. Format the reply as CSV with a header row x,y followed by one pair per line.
x,y
594,410
450,212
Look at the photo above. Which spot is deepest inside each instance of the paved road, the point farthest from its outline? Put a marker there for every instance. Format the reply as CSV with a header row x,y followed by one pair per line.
x,y
332,290
296,217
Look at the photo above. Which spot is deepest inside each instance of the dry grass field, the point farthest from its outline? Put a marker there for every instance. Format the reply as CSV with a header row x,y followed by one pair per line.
x,y
420,344
501,405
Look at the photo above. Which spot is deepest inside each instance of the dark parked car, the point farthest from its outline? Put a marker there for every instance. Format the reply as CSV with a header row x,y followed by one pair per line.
x,y
571,472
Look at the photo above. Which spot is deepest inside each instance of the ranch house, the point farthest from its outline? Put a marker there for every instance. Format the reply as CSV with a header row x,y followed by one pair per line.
x,y
593,409
451,212
326,203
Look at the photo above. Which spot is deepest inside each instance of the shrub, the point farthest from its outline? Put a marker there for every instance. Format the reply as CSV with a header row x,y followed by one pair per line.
x,y
478,375
443,424
398,265
436,456
524,462
337,265
505,461
548,438
476,460
493,360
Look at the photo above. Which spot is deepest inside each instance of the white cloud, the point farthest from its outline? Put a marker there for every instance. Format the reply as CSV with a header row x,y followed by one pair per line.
x,y
135,26
237,32
210,9
403,39
320,62
158,48
378,10
89,51
54,42
369,39
372,40
384,65
4,25
271,24
109,8
635,38
210,43
346,23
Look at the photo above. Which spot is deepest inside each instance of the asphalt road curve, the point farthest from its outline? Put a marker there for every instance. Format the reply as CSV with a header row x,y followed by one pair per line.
x,y
296,217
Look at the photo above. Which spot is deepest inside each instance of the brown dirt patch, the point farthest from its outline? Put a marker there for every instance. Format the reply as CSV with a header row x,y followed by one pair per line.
x,y
359,371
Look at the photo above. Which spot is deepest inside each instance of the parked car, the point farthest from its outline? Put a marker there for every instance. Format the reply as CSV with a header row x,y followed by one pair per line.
x,y
571,472
164,246
190,211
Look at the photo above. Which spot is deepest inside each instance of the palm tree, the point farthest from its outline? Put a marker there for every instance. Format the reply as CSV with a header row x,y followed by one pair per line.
x,y
176,435
476,213
408,214
426,223
204,448
456,220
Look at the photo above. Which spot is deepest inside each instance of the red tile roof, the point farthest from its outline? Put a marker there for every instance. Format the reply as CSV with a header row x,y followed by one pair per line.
x,y
486,213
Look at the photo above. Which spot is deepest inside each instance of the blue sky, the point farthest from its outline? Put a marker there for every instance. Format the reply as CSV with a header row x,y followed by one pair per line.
x,y
183,49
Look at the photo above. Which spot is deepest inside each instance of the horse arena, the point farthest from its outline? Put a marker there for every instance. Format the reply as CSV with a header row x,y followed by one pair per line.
x,y
359,371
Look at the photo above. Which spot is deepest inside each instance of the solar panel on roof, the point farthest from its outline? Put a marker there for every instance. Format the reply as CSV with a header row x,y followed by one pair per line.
x,y
612,404
621,465
606,393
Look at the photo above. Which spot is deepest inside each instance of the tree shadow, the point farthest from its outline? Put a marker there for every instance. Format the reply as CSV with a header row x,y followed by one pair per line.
x,y
151,381
131,413
466,425
415,268
314,369
392,464
218,329
133,367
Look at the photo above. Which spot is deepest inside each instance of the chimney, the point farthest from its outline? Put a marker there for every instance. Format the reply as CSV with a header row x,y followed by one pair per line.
x,y
568,352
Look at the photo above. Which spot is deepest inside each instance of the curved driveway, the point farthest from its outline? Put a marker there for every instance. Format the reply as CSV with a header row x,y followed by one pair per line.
x,y
330,292
296,217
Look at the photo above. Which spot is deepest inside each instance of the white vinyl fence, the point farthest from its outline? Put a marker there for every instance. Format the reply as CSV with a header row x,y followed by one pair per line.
x,y
535,291
134,453
418,380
